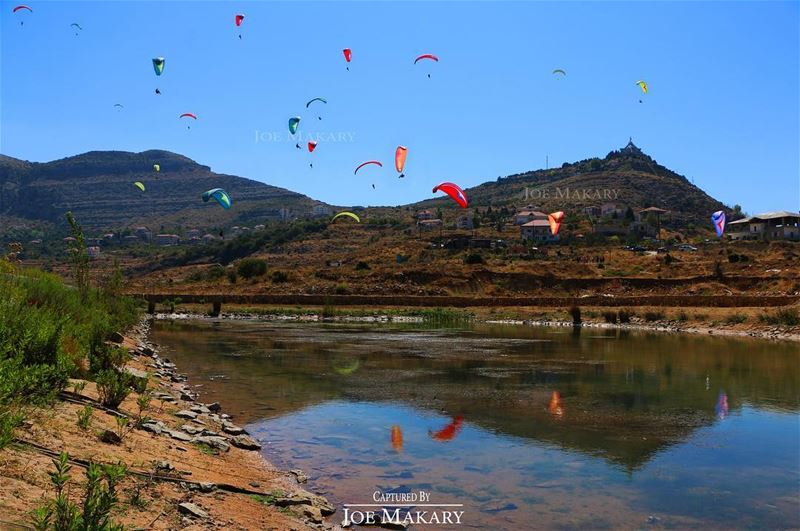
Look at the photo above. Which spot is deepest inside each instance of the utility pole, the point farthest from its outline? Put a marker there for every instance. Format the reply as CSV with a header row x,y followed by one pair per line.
x,y
547,162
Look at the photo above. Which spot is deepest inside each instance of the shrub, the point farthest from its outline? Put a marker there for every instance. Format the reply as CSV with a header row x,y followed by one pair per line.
x,y
113,387
610,317
251,267
215,272
653,315
85,417
782,316
682,316
341,289
624,316
736,318
232,276
362,266
279,276
473,258
575,313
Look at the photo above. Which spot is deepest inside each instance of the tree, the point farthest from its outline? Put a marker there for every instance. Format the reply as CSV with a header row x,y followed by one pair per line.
x,y
79,256
629,214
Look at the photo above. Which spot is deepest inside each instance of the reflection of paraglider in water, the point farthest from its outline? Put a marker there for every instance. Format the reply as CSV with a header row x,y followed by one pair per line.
x,y
722,405
555,220
352,366
220,195
397,438
449,432
718,219
555,407
454,191
400,160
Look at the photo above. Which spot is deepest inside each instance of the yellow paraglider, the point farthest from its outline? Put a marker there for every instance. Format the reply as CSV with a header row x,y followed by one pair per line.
x,y
348,214
139,185
642,85
156,168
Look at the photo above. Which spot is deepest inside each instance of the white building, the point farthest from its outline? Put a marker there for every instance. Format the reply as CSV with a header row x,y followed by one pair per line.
x,y
537,230
779,225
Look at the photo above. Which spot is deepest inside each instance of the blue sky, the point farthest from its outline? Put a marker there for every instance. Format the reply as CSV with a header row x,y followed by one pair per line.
x,y
722,107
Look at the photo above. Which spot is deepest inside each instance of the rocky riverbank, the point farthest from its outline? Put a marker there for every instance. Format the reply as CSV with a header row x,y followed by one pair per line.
x,y
189,465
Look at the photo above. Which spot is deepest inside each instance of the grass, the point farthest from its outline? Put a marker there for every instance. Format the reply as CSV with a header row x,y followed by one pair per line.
x,y
736,318
268,498
781,317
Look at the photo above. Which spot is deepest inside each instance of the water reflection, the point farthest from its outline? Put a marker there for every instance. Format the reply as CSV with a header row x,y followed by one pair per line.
x,y
588,429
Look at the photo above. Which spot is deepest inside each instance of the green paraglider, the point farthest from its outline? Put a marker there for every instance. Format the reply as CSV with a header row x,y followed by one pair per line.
x,y
348,214
220,195
294,123
158,65
139,185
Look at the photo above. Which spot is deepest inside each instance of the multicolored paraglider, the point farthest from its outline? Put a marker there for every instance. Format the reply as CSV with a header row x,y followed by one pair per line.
x,y
718,219
397,439
348,55
312,145
139,185
22,8
428,56
448,432
377,163
220,195
643,86
400,159
555,221
347,214
294,123
454,191
158,65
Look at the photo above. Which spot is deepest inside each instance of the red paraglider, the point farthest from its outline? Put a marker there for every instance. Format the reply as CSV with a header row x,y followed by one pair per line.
x,y
312,146
238,20
22,7
348,54
454,191
188,115
555,221
367,163
448,432
426,56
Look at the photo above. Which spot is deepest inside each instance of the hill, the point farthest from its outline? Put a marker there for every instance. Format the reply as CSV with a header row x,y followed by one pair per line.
x,y
98,188
627,176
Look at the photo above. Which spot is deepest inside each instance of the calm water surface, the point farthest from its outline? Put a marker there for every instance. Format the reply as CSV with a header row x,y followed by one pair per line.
x,y
528,428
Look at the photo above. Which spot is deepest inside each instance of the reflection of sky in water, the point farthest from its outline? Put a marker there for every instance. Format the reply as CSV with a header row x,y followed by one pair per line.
x,y
639,435
725,473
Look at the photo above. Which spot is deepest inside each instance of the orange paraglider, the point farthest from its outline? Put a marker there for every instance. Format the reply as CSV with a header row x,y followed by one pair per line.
x,y
555,407
555,221
400,159
397,438
449,432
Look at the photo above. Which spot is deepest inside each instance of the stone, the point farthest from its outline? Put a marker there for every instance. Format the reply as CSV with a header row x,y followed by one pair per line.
x,y
206,486
199,409
110,437
215,442
245,442
147,351
153,427
184,414
187,397
164,466
214,406
191,509
116,337
299,475
310,512
232,429
179,435
191,430
254,484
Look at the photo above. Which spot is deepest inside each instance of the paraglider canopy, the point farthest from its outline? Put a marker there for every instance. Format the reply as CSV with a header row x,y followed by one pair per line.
x,y
238,20
555,221
312,145
156,168
76,25
454,191
377,163
426,56
348,214
642,85
400,159
718,219
188,115
559,71
348,54
19,7
139,185
293,124
323,100
158,65
220,195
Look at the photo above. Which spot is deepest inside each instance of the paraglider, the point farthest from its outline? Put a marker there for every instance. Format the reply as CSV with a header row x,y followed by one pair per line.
x,y
377,163
397,439
348,54
119,106
22,8
448,432
293,124
454,191
554,407
642,85
429,56
400,159
139,185
347,214
76,26
188,115
555,221
718,219
559,71
158,92
323,100
312,145
158,65
220,195
238,21
156,168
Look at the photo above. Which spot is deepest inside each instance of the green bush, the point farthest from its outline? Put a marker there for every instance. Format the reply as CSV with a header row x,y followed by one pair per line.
x,y
85,417
251,267
610,317
113,387
232,276
341,289
279,276
473,258
624,316
736,318
783,316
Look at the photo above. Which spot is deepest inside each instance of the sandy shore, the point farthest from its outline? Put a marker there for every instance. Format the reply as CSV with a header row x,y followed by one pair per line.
x,y
189,465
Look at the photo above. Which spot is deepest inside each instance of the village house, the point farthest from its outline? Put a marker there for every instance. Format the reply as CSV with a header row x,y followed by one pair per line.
x,y
208,238
611,209
592,211
193,233
527,214
93,252
465,222
429,224
423,215
320,211
167,239
779,225
537,230
143,233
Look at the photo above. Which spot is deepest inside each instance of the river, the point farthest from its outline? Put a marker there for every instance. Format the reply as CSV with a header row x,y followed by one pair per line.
x,y
516,427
